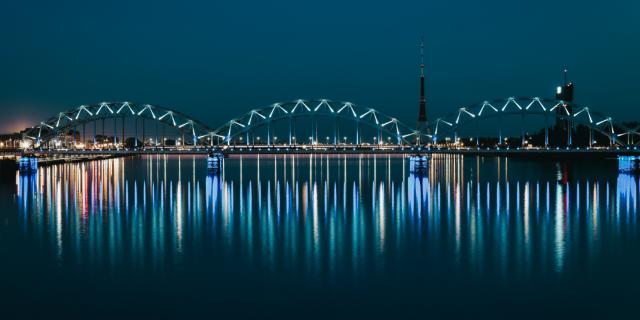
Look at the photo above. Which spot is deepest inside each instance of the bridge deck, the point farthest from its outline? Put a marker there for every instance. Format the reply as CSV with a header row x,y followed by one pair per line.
x,y
338,150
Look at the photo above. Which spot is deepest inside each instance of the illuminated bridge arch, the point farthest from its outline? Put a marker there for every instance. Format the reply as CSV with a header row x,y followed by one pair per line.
x,y
473,116
313,109
113,114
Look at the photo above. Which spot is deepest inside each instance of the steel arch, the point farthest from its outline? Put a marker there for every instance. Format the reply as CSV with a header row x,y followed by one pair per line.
x,y
530,106
83,114
265,116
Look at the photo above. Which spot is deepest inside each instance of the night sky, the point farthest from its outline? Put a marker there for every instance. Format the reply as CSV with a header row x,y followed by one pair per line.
x,y
217,59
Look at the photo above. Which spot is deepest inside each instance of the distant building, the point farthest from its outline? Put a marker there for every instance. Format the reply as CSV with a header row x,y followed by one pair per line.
x,y
10,141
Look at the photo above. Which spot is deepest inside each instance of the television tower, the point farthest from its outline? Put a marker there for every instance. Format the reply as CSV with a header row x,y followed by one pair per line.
x,y
422,127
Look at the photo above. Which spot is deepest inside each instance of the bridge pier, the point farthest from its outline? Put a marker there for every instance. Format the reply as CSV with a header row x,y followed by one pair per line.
x,y
215,162
419,164
28,164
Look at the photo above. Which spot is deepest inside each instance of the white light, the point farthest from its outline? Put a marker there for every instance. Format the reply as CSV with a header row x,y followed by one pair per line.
x,y
559,90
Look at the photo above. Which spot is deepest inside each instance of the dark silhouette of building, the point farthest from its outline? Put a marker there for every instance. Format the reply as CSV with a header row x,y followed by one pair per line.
x,y
562,132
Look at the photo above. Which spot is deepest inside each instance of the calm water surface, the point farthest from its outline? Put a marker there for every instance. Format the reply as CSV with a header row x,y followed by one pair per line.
x,y
321,235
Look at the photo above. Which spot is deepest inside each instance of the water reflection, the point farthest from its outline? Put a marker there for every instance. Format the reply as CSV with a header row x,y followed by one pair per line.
x,y
327,217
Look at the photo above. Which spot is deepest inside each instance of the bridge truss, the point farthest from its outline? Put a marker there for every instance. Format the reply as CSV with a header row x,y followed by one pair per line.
x,y
475,117
55,131
314,110
108,121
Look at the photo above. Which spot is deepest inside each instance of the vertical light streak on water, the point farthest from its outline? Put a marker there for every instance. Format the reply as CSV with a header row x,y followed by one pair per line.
x,y
278,208
333,241
488,196
311,178
502,223
297,197
126,197
587,198
307,234
382,217
507,199
135,196
537,198
230,211
578,198
425,200
288,200
326,200
430,199
259,185
518,225
467,196
634,193
275,171
527,227
250,232
188,213
607,196
559,221
335,199
316,230
269,241
412,193
478,209
144,195
548,197
594,212
498,202
354,230
59,222
457,223
518,200
619,187
344,187
472,227
178,215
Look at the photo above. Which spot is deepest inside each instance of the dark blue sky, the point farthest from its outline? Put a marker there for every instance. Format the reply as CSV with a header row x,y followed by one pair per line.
x,y
215,60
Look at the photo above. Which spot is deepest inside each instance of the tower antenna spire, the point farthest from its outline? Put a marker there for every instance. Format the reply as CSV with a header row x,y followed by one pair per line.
x,y
422,56
422,127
